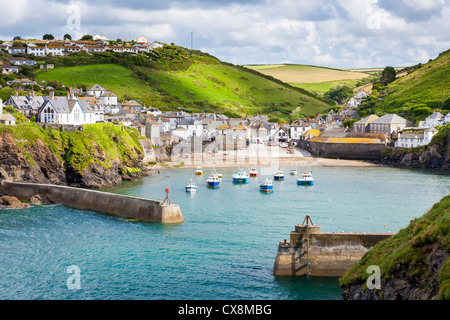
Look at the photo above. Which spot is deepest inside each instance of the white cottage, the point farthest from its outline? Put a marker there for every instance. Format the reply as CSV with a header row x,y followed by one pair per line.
x,y
66,111
415,137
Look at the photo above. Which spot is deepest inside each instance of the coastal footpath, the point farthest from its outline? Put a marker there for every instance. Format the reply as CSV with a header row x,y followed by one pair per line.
x,y
414,264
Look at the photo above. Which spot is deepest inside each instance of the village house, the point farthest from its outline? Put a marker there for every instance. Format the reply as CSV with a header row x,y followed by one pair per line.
x,y
433,120
133,105
28,105
22,62
298,128
258,133
388,124
152,131
38,51
415,137
66,111
193,126
7,68
96,90
17,50
6,118
362,125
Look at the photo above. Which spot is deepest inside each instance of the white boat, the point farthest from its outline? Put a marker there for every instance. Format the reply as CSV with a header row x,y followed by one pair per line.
x,y
253,172
240,176
191,187
279,175
293,172
306,179
213,181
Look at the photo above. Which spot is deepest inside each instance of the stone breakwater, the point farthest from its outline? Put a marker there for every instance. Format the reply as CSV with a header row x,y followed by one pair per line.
x,y
119,205
328,254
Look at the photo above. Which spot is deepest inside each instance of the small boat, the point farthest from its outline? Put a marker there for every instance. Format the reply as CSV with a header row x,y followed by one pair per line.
x,y
253,172
293,172
219,175
240,176
199,171
306,179
213,181
191,187
279,175
266,186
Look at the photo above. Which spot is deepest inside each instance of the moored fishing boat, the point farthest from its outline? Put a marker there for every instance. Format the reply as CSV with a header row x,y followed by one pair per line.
x,y
266,186
306,179
199,171
213,181
240,176
253,172
279,175
191,187
293,172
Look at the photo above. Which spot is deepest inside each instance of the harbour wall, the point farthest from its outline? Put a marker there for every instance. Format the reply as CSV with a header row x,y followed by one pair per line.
x,y
85,199
329,254
366,151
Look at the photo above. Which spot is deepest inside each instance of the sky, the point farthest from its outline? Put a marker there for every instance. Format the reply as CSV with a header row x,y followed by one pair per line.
x,y
336,33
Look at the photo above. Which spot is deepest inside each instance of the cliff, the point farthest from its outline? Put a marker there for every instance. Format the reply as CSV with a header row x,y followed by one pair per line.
x,y
434,156
92,156
414,264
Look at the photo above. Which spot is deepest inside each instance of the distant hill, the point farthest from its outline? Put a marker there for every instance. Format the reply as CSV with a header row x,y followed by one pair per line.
x,y
315,78
416,95
175,78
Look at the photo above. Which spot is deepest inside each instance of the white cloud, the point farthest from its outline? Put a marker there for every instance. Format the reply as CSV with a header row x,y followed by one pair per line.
x,y
337,33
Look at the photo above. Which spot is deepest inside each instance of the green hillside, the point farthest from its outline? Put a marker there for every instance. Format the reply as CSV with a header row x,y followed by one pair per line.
x,y
174,78
416,95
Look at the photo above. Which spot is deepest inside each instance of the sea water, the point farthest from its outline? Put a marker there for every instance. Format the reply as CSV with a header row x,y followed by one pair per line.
x,y
226,247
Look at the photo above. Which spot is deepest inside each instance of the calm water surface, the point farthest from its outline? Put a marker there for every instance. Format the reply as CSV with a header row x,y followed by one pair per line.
x,y
226,247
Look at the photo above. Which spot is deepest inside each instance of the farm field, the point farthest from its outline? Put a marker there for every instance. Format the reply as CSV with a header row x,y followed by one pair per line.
x,y
312,78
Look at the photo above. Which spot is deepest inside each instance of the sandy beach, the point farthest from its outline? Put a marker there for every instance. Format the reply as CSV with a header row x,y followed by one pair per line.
x,y
254,155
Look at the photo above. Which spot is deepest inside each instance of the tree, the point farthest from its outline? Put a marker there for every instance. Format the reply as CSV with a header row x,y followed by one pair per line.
x,y
339,94
48,36
67,37
87,37
17,38
388,75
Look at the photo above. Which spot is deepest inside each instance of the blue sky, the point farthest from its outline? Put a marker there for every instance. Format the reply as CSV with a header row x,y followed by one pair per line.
x,y
337,33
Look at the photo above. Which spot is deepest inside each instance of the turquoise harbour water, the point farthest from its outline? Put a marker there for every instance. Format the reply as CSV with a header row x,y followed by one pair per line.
x,y
224,250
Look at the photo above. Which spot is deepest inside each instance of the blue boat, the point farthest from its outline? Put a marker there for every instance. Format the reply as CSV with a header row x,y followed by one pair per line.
x,y
279,175
240,177
213,181
306,179
266,186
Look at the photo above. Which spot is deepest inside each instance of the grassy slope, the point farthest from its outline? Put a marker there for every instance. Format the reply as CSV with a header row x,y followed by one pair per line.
x,y
417,94
207,84
405,248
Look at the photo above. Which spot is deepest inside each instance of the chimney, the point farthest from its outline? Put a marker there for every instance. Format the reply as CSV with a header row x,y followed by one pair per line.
x,y
52,95
16,93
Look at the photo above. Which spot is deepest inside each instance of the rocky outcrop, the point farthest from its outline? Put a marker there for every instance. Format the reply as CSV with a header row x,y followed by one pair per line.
x,y
434,156
7,202
401,285
39,164
414,264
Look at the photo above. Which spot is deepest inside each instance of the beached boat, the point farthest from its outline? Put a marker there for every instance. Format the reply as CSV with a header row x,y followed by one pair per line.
x,y
293,172
199,171
213,181
306,179
240,176
191,187
279,175
253,172
266,186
